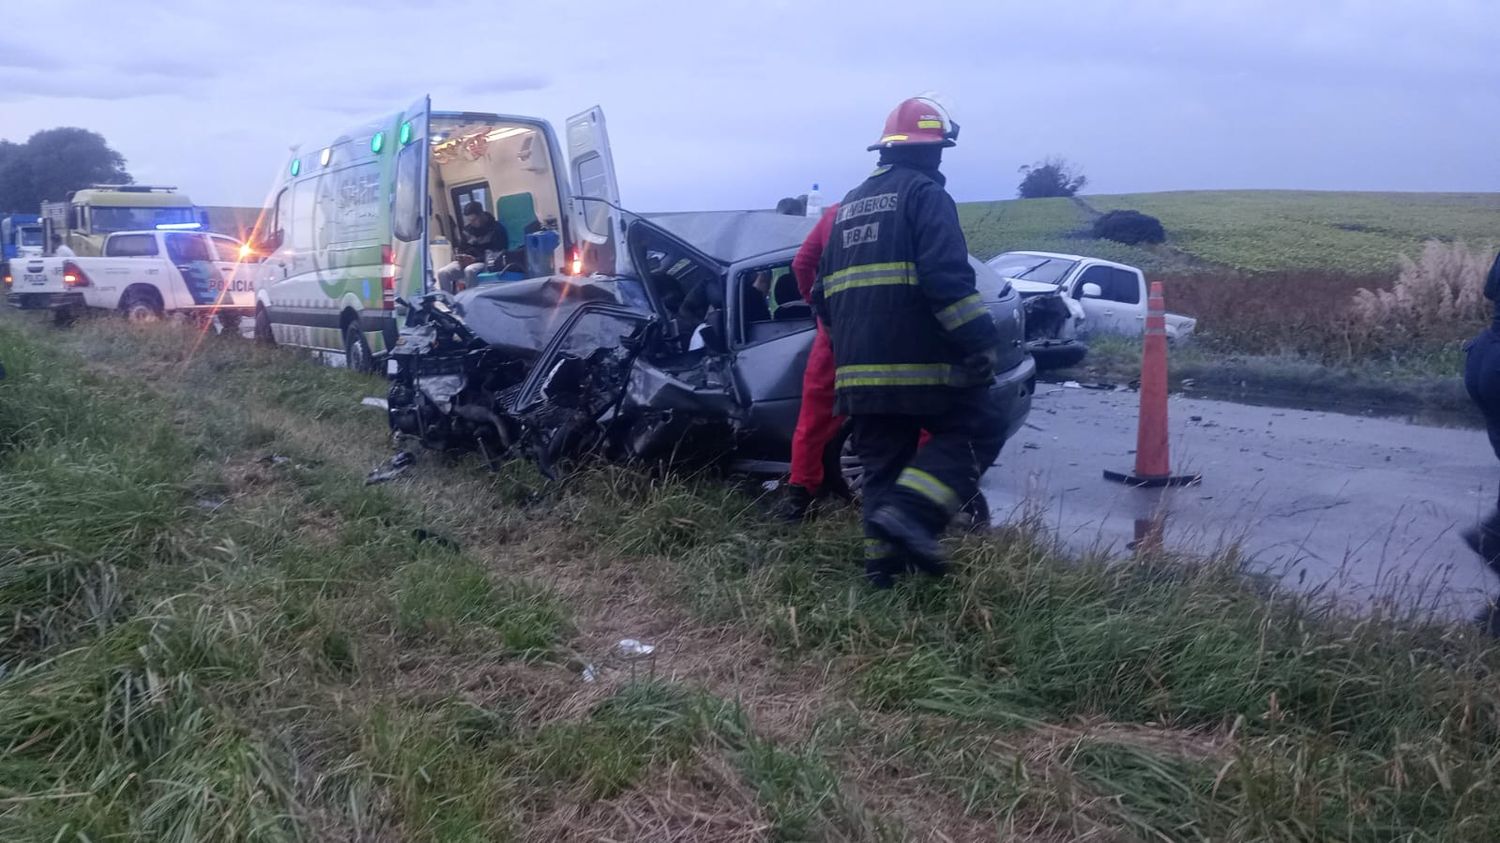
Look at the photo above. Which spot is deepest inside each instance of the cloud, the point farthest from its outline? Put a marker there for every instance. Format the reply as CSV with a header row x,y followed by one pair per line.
x,y
88,84
24,57
175,66
506,84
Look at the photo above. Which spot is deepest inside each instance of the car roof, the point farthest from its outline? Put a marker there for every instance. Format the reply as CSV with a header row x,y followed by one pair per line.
x,y
1061,256
733,236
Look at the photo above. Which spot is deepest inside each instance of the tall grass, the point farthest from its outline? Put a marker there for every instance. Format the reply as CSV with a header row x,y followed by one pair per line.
x,y
231,649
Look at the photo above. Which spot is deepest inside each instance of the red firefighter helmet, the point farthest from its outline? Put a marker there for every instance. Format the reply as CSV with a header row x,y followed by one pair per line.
x,y
918,120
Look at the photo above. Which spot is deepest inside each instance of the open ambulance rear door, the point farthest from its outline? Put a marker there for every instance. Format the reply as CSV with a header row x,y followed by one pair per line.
x,y
597,226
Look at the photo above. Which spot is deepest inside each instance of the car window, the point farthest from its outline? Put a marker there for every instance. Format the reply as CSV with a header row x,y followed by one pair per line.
x,y
131,246
411,195
1119,285
1125,287
280,218
186,248
102,220
1100,275
304,206
225,249
756,302
594,181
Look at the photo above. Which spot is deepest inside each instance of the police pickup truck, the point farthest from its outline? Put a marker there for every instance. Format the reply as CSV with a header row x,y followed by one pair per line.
x,y
143,274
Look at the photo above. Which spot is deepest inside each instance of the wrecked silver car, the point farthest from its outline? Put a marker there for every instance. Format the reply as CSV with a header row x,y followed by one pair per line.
x,y
695,355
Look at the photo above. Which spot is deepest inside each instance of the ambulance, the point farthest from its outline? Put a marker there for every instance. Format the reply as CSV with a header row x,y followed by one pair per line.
x,y
376,213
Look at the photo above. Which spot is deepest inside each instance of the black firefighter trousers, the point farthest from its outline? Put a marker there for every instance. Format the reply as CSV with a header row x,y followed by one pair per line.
x,y
929,484
1482,378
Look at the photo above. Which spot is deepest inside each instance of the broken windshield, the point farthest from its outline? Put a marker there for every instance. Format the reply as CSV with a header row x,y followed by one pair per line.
x,y
1033,267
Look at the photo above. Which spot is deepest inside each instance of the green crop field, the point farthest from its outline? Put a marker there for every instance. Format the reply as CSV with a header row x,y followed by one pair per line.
x,y
1252,230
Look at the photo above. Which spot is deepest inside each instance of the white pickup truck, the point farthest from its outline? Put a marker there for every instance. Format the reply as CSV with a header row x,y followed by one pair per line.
x,y
1112,295
143,274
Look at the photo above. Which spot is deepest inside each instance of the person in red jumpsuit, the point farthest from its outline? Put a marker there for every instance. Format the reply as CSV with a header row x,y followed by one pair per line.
x,y
816,424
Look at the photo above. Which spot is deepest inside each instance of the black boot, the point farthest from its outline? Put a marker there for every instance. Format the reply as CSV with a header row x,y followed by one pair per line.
x,y
793,505
1484,539
1489,619
906,532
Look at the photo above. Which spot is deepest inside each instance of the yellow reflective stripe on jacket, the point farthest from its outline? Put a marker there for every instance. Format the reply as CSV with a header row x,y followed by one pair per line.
x,y
893,374
928,487
877,549
962,312
870,275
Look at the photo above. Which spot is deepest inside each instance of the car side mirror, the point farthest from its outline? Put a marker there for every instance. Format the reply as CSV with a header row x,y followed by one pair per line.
x,y
713,332
1093,291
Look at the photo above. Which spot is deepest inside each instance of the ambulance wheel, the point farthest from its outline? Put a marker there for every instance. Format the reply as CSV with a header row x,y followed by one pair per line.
x,y
263,332
357,354
140,306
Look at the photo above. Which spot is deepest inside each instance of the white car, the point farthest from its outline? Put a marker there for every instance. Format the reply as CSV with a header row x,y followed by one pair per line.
x,y
1112,296
144,274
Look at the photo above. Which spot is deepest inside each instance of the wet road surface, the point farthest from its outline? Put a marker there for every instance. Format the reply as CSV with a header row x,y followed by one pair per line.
x,y
1361,507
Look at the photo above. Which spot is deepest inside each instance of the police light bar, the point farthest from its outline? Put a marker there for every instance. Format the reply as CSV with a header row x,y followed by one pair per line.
x,y
179,226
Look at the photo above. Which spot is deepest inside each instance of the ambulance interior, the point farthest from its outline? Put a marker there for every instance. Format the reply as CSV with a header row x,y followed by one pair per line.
x,y
507,167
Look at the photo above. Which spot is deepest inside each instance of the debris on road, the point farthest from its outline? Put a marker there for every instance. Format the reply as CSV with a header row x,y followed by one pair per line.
x,y
634,653
422,535
391,468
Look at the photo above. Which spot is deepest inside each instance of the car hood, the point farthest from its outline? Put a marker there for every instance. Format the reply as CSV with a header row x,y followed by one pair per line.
x,y
730,237
522,316
1027,289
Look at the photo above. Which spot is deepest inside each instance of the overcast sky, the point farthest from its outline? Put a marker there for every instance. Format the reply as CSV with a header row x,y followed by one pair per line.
x,y
734,104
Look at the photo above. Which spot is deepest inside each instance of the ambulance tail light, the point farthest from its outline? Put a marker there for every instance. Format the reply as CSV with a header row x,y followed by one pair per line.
x,y
575,264
387,277
73,276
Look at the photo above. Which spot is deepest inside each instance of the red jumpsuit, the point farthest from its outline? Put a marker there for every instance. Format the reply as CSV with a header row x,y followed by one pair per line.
x,y
816,423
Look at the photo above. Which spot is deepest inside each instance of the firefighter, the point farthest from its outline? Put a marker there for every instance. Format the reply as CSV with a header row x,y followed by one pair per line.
x,y
1482,378
915,347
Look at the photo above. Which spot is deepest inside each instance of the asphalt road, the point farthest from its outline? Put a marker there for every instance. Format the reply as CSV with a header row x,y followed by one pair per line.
x,y
1364,509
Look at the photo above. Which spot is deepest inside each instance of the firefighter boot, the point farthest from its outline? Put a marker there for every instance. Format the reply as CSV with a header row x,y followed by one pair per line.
x,y
906,532
1484,539
793,505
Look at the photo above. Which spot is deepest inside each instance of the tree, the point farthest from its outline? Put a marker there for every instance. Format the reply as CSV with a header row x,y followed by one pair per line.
x,y
53,162
1051,177
793,205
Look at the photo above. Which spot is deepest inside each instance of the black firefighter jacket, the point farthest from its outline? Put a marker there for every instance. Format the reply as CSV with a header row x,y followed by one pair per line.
x,y
896,292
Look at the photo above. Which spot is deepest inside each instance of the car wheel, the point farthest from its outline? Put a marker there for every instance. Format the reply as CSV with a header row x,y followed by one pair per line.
x,y
263,332
1049,357
357,354
850,468
140,307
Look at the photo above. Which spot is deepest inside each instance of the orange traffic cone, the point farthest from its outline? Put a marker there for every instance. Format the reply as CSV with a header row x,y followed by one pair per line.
x,y
1153,464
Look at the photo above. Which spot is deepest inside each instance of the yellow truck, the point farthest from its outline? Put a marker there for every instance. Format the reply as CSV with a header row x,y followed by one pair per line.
x,y
86,217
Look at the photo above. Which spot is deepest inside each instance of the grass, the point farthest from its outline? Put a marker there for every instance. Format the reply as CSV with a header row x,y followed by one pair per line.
x,y
1273,278
1420,384
215,631
1257,231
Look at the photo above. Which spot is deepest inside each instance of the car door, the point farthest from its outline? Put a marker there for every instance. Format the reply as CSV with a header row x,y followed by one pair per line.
x,y
769,358
1117,307
410,211
272,239
237,276
198,279
597,228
